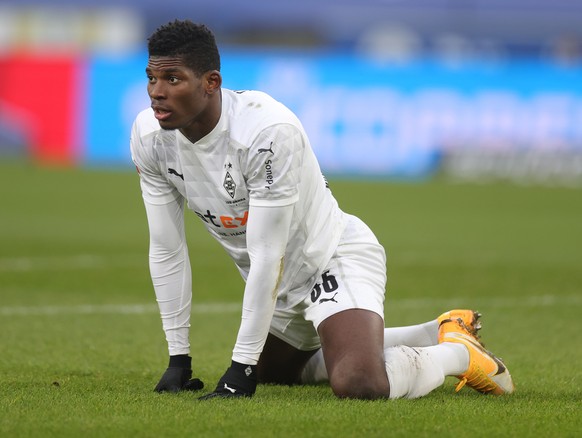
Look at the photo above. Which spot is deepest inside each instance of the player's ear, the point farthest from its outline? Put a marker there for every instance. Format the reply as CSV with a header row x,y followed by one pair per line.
x,y
213,81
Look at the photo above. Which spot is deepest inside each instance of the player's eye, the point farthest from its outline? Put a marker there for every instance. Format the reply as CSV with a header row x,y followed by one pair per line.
x,y
151,79
173,80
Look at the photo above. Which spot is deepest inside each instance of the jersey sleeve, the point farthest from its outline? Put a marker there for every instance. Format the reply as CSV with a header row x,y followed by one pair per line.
x,y
274,166
154,185
170,272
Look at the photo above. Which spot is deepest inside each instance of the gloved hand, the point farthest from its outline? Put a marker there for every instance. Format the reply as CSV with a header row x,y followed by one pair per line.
x,y
177,376
239,381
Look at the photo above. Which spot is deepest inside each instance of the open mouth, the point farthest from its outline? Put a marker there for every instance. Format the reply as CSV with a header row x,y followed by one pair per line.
x,y
161,113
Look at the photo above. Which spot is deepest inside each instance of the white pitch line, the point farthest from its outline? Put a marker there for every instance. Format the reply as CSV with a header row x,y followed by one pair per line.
x,y
25,264
108,309
538,301
79,261
534,301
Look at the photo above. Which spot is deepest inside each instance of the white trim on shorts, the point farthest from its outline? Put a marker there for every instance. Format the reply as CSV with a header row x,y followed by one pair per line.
x,y
355,278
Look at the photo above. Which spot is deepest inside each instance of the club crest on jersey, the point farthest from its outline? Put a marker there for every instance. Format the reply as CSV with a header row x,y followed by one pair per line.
x,y
229,185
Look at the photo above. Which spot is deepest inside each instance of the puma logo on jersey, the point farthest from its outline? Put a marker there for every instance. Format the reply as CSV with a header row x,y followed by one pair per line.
x,y
174,172
325,300
261,150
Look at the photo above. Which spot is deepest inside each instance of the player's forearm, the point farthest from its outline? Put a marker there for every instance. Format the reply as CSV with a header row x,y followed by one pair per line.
x,y
258,307
171,278
267,235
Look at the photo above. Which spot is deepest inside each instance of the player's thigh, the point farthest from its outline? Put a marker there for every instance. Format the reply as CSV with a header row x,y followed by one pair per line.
x,y
347,308
352,343
280,362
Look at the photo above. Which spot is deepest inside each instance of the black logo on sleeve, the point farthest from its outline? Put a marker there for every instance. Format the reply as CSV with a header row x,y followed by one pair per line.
x,y
261,150
173,172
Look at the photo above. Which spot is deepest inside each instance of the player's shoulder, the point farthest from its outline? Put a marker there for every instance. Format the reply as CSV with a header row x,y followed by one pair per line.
x,y
253,107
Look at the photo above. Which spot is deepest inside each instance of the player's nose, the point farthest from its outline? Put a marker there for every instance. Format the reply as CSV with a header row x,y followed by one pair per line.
x,y
157,91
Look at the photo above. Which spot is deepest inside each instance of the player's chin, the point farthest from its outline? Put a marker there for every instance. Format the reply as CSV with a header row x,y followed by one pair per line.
x,y
168,125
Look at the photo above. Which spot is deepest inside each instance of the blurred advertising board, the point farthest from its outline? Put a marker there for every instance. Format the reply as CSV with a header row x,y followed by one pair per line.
x,y
376,119
364,118
41,106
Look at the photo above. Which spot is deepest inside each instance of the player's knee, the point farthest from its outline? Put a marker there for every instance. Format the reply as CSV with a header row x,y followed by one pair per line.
x,y
359,386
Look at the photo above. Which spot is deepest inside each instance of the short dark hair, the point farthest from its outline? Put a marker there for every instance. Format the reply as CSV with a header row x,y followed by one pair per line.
x,y
195,43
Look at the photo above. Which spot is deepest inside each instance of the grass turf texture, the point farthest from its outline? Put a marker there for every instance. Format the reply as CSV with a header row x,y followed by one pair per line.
x,y
81,345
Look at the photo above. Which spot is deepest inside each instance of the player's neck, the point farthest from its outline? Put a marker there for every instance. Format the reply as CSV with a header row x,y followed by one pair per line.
x,y
203,125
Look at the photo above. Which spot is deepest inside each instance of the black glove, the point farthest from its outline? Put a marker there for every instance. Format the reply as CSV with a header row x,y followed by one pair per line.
x,y
177,376
239,381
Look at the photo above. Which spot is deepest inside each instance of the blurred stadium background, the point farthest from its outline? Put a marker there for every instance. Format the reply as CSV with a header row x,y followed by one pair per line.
x,y
395,89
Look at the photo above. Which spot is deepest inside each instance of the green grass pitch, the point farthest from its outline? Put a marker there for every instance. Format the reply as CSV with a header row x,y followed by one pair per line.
x,y
81,345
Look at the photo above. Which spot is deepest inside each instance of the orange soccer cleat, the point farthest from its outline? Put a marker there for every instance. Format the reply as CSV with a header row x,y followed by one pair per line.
x,y
469,320
486,373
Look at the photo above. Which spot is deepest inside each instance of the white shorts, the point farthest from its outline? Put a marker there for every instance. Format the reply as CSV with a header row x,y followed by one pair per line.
x,y
355,278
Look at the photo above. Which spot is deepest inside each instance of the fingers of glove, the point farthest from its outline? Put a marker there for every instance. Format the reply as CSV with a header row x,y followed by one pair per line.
x,y
193,385
167,387
173,379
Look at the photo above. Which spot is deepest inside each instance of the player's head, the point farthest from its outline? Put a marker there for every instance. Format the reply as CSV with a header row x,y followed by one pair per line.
x,y
184,78
194,43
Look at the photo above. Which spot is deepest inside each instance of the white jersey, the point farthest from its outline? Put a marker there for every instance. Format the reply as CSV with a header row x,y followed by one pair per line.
x,y
258,154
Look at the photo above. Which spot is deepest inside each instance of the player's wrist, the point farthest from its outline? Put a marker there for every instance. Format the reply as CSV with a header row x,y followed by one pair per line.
x,y
180,361
244,368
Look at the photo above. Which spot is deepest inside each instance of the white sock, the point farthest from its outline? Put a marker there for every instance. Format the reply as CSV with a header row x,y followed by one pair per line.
x,y
453,358
414,372
419,335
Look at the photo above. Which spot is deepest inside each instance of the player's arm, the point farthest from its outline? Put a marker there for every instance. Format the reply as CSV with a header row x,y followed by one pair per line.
x,y
273,169
267,235
169,265
171,277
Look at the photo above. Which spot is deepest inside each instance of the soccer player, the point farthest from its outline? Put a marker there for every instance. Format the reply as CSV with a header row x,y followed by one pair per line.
x,y
315,275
